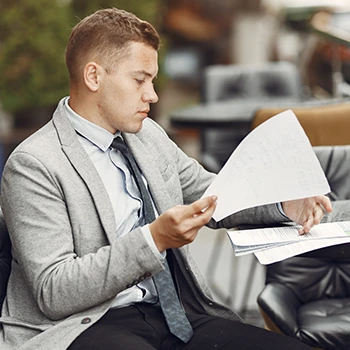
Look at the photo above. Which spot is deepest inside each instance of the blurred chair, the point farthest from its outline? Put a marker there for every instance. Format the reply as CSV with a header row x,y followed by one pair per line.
x,y
323,124
255,83
308,298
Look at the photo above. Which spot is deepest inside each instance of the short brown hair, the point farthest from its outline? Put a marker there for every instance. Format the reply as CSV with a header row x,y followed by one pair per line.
x,y
103,36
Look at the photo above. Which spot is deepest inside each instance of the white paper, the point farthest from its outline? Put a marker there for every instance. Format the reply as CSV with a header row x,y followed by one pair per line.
x,y
284,234
287,241
272,255
274,163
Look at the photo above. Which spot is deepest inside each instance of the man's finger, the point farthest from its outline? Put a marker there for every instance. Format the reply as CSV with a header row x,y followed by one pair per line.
x,y
318,215
201,205
202,218
307,225
325,203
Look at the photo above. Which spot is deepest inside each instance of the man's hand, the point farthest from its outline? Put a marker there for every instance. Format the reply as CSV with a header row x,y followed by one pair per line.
x,y
179,225
307,211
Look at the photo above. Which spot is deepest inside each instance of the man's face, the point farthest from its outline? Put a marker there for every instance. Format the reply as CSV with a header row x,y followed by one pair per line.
x,y
125,94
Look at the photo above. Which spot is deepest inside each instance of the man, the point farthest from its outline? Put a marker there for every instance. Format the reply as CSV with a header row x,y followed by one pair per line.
x,y
86,255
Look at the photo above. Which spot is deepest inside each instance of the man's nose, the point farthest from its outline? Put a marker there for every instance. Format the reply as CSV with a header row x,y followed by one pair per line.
x,y
150,96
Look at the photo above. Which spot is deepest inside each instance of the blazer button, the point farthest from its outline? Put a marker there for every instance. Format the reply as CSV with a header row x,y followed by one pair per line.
x,y
86,320
147,274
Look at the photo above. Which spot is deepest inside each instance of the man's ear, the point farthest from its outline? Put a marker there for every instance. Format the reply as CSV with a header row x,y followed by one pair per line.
x,y
92,73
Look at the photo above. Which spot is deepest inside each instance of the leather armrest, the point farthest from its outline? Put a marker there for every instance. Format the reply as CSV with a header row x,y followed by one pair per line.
x,y
281,305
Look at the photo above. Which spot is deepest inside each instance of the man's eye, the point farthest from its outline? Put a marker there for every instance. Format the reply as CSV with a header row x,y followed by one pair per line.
x,y
140,81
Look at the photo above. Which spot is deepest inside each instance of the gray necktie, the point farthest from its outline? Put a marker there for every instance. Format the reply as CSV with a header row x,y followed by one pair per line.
x,y
173,312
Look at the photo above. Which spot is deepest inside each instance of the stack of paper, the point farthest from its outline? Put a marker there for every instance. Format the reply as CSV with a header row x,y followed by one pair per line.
x,y
277,243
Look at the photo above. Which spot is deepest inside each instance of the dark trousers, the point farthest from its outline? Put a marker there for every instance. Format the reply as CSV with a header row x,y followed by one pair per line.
x,y
142,327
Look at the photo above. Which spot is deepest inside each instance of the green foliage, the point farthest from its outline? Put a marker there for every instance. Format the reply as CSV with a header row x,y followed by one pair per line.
x,y
33,37
145,9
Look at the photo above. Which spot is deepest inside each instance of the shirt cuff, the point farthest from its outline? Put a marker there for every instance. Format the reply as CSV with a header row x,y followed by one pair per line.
x,y
280,209
149,239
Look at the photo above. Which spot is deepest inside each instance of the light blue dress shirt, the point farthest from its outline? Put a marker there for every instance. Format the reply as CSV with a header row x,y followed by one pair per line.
x,y
123,193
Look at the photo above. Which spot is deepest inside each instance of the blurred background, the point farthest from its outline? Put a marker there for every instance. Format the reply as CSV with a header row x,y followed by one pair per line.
x,y
196,34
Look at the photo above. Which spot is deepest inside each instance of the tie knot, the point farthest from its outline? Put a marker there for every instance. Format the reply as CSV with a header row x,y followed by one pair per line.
x,y
119,144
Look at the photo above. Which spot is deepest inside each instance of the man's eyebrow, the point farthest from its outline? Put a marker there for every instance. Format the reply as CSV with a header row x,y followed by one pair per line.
x,y
143,72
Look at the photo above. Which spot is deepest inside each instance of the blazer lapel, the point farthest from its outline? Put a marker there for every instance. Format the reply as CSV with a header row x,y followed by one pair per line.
x,y
150,170
83,165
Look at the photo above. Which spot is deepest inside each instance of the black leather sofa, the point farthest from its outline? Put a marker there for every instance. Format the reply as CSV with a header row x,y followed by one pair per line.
x,y
308,298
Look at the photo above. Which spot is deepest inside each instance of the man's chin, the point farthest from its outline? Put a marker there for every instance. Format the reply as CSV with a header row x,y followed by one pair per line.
x,y
134,129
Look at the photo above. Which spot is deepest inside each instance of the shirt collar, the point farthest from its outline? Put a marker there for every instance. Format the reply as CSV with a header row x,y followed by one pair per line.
x,y
95,134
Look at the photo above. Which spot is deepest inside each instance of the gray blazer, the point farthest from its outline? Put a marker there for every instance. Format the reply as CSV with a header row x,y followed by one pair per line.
x,y
68,264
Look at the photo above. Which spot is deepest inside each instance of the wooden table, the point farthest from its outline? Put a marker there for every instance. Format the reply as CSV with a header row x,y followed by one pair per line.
x,y
235,114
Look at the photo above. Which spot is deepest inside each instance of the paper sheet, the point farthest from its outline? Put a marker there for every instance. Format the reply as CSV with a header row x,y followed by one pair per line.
x,y
275,244
274,163
272,255
284,234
